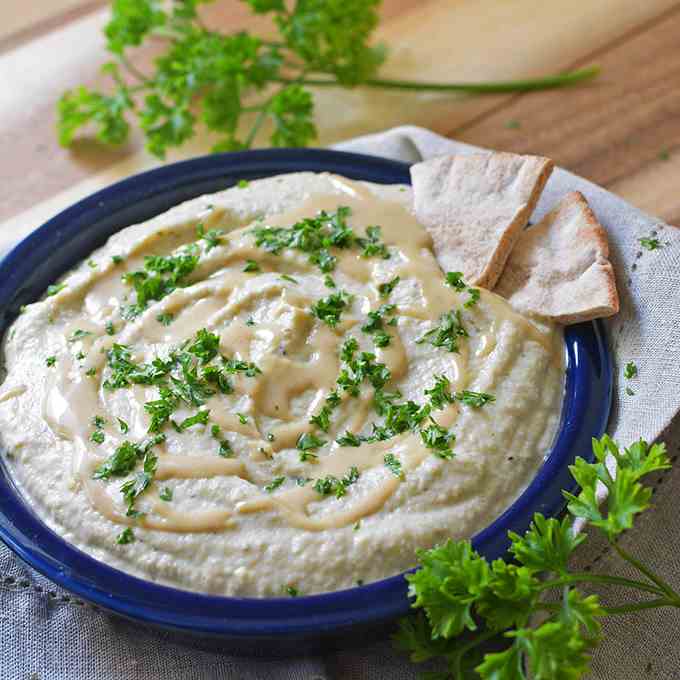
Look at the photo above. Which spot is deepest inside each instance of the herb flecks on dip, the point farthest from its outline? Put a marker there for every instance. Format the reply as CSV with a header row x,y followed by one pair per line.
x,y
275,386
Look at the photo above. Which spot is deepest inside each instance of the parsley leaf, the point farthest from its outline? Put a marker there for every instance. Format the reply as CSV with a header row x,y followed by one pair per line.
x,y
274,484
630,371
650,243
55,288
203,75
393,464
212,237
385,289
330,309
447,333
200,418
126,536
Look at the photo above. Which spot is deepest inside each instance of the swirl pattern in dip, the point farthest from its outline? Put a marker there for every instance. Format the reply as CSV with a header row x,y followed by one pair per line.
x,y
260,390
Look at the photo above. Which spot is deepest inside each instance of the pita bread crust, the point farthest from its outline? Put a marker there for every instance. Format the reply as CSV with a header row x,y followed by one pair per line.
x,y
559,269
475,207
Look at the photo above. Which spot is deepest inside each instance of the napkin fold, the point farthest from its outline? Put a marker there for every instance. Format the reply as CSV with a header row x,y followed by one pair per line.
x,y
49,635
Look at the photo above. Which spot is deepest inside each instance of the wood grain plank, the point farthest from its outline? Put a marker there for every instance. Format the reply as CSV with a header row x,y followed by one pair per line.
x,y
623,132
436,39
22,16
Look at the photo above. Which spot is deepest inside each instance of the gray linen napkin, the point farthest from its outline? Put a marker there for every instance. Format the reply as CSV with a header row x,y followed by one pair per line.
x,y
48,635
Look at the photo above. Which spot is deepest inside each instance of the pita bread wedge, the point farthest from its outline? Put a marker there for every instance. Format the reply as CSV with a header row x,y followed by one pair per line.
x,y
559,269
475,207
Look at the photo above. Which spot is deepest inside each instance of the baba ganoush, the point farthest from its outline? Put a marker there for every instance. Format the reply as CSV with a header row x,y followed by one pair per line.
x,y
274,389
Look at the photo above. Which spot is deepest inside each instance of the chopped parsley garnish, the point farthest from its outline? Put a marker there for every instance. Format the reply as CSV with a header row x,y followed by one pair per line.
x,y
330,309
165,318
356,527
384,289
475,294
251,266
363,368
309,442
91,264
348,349
630,392
218,376
165,494
315,236
371,244
242,418
80,355
349,439
374,325
393,464
160,276
211,237
225,449
123,425
630,371
440,394
439,439
455,280
398,417
285,277
250,322
447,333
242,183
98,437
238,366
650,243
328,281
51,361
322,418
292,591
274,484
79,334
375,318
135,487
126,536
120,463
205,345
91,371
125,458
116,259
474,399
200,418
55,288
98,421
337,487
110,328
270,437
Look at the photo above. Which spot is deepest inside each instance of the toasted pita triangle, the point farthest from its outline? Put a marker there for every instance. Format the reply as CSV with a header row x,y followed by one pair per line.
x,y
559,269
475,207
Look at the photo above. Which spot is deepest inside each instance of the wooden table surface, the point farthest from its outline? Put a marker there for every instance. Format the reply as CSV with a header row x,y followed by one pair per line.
x,y
621,131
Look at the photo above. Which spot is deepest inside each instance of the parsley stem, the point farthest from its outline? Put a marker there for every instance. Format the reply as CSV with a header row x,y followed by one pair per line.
x,y
587,577
463,650
132,69
257,124
491,87
663,586
639,606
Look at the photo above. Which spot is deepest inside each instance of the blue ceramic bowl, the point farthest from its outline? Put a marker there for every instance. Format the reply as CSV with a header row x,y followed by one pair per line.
x,y
246,625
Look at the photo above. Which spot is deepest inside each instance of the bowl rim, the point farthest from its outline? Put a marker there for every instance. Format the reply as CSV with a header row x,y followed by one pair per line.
x,y
585,411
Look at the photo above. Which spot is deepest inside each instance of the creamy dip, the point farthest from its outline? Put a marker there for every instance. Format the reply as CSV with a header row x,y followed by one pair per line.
x,y
177,416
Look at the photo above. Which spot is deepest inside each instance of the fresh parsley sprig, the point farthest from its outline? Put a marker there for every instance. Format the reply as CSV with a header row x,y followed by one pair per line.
x,y
464,601
216,80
